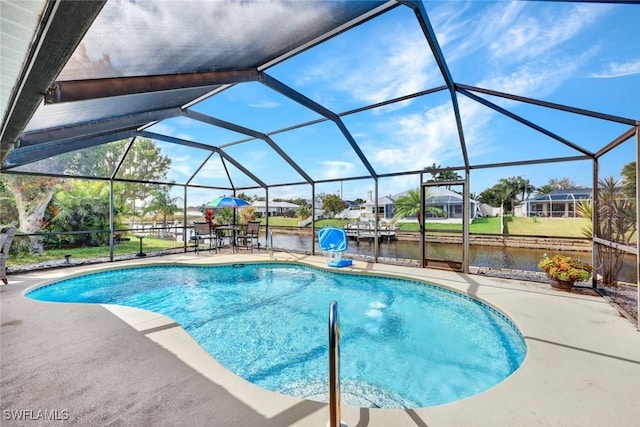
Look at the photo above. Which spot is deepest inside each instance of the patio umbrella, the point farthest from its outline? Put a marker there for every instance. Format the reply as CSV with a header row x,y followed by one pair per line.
x,y
227,202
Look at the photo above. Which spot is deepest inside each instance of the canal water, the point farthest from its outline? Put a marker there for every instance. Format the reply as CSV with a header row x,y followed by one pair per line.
x,y
479,256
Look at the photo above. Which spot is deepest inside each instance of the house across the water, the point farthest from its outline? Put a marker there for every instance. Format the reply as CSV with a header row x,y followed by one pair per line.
x,y
446,205
556,204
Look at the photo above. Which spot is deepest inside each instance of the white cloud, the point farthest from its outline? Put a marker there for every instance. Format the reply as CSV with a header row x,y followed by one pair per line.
x,y
254,159
520,35
212,169
518,31
183,165
333,169
415,141
538,79
369,68
619,69
264,104
407,68
448,23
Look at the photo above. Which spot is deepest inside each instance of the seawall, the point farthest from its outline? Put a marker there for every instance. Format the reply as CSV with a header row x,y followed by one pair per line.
x,y
532,242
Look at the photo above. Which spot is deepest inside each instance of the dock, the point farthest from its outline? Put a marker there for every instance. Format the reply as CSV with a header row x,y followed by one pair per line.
x,y
364,231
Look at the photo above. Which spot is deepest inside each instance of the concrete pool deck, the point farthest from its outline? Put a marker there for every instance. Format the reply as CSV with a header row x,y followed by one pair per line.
x,y
96,365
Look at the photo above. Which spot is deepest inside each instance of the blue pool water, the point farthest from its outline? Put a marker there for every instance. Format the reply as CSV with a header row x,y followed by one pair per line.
x,y
405,344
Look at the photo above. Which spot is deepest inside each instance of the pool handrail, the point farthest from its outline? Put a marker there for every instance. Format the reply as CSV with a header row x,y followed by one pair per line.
x,y
334,365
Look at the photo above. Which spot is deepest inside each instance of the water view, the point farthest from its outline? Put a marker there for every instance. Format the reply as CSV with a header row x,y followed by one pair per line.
x,y
479,256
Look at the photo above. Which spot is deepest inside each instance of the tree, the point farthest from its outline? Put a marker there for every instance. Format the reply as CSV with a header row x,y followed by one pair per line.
x,y
409,205
545,189
144,162
244,196
162,203
226,216
490,196
332,204
79,206
304,211
509,189
447,174
524,187
432,170
8,211
298,201
616,222
31,195
558,184
100,161
501,194
629,180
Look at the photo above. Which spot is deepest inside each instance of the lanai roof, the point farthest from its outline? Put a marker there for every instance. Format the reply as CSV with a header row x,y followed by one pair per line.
x,y
566,194
78,75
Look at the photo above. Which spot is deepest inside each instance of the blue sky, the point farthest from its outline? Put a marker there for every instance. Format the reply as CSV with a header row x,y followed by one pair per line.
x,y
582,55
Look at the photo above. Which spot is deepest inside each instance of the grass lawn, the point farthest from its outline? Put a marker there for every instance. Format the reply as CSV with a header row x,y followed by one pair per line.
x,y
478,225
552,227
332,223
280,221
561,227
126,247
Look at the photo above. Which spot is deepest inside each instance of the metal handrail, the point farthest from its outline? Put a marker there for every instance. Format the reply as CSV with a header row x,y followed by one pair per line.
x,y
334,365
269,242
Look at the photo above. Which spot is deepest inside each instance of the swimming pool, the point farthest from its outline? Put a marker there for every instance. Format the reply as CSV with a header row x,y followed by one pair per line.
x,y
405,344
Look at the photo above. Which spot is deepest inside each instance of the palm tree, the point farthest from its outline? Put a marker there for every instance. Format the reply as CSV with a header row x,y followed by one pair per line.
x,y
506,189
304,211
164,204
432,170
409,205
616,223
628,174
524,186
226,216
546,189
447,174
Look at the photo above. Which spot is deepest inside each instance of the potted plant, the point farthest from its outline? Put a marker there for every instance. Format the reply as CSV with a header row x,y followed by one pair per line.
x,y
210,218
564,271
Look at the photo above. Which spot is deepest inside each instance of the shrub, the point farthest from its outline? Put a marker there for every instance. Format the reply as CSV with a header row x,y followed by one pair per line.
x,y
289,213
565,269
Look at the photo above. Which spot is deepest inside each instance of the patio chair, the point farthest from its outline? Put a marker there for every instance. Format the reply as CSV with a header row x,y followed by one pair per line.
x,y
6,237
204,231
248,239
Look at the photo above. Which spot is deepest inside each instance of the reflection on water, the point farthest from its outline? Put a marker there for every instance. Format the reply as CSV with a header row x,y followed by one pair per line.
x,y
479,256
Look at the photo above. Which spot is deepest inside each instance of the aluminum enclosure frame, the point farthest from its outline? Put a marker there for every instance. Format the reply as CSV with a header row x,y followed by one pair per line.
x,y
65,23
